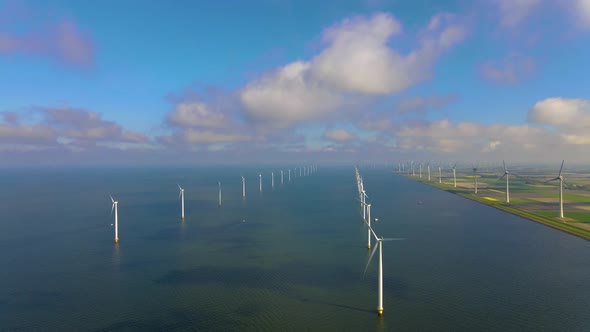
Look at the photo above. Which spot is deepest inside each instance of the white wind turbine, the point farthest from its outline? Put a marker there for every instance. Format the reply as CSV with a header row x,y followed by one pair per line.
x,y
475,178
420,170
281,177
260,180
428,171
413,172
454,175
219,184
439,174
561,182
380,246
115,208
181,196
289,175
506,174
272,180
243,187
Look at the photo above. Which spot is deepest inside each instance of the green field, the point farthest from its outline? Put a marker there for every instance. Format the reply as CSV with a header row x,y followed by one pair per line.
x,y
530,196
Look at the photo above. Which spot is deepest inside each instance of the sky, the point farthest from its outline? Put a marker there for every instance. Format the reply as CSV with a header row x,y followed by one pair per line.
x,y
276,81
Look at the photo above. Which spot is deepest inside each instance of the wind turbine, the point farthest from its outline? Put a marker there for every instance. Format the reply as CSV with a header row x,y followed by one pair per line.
x,y
260,180
475,178
369,224
219,183
289,175
561,182
507,182
181,196
243,187
380,246
115,208
420,170
281,177
413,172
454,176
428,171
439,174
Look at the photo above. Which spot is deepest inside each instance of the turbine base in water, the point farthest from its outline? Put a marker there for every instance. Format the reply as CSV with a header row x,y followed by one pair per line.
x,y
380,311
116,240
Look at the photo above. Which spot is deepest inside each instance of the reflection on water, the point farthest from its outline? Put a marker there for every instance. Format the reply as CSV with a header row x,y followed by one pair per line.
x,y
296,263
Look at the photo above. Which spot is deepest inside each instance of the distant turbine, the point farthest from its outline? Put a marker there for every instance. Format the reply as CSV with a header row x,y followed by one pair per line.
x,y
272,180
475,178
219,184
281,177
507,182
439,174
454,176
289,175
380,246
561,182
420,170
115,207
428,171
369,224
181,196
413,172
260,178
243,187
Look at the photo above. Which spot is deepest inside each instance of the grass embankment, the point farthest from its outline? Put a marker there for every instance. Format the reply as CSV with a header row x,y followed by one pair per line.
x,y
545,220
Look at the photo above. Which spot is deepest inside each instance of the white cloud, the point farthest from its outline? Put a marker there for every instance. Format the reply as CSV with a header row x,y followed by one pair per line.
x,y
562,113
339,135
197,114
356,64
583,10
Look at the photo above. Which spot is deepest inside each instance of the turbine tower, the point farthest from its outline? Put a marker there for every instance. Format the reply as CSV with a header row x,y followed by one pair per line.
x,y
420,170
507,182
243,187
380,246
369,226
281,177
219,184
115,207
454,176
260,181
413,171
475,178
439,174
181,196
561,182
289,175
428,171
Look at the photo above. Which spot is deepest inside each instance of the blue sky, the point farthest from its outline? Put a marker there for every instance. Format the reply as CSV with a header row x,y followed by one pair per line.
x,y
274,81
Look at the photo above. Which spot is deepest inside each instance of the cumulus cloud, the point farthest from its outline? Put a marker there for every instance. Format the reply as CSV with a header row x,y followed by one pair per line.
x,y
197,114
424,103
509,70
356,63
562,113
339,135
63,41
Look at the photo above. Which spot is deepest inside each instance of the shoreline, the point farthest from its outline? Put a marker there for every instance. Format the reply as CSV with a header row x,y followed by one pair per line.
x,y
546,221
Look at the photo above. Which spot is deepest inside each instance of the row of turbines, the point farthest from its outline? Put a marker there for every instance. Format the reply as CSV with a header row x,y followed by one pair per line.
x,y
401,168
297,171
366,219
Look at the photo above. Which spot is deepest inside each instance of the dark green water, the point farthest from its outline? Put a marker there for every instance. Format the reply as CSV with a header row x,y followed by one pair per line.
x,y
295,264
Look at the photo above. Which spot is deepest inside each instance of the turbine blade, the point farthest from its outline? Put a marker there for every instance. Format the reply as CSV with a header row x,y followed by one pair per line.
x,y
112,207
372,231
370,258
112,200
561,168
179,188
504,166
567,186
551,180
393,239
454,165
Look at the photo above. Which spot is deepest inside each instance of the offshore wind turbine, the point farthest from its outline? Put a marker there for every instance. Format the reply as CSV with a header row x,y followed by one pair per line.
x,y
475,178
506,174
272,180
115,207
428,171
561,182
413,172
243,187
289,175
420,170
380,246
219,184
281,177
369,224
260,181
181,196
439,174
